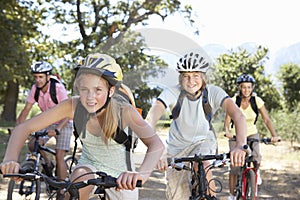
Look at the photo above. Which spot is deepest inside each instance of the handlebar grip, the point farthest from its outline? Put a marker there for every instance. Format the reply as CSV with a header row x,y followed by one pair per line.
x,y
57,131
139,183
247,149
22,170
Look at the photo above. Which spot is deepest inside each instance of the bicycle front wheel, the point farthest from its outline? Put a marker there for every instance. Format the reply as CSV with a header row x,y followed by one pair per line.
x,y
69,160
29,190
250,185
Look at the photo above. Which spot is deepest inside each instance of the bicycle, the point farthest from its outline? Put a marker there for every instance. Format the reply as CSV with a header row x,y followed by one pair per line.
x,y
200,189
102,182
246,187
31,189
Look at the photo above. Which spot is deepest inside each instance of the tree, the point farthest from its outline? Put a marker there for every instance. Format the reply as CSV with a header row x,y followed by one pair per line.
x,y
289,74
102,26
106,27
18,30
230,66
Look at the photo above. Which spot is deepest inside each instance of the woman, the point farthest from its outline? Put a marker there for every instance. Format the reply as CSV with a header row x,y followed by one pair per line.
x,y
245,85
96,81
190,132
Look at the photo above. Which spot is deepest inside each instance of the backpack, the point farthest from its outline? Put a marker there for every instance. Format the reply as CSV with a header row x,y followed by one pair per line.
x,y
253,104
206,108
128,138
53,81
205,103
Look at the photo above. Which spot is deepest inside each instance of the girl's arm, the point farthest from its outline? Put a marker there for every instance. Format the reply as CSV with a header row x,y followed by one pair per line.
x,y
264,113
227,121
237,155
21,132
147,135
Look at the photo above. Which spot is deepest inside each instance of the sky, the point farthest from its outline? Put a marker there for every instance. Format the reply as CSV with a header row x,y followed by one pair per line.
x,y
231,23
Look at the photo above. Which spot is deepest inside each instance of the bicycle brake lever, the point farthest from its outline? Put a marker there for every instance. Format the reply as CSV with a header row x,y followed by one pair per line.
x,y
180,166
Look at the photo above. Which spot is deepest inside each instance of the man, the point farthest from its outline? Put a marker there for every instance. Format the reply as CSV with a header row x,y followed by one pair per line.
x,y
41,93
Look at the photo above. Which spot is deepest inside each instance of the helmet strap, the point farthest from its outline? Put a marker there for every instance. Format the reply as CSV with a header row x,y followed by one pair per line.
x,y
105,105
40,88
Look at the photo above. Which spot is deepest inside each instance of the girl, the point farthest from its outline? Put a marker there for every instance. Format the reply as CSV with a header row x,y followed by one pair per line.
x,y
96,81
190,131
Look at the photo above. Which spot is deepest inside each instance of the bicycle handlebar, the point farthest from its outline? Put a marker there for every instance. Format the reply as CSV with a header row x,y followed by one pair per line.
x,y
177,164
263,140
39,134
103,181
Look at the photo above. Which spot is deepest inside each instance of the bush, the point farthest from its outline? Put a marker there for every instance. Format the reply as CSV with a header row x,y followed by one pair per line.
x,y
285,123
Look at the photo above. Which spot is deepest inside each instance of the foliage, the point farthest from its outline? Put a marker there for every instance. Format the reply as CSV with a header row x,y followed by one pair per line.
x,y
284,123
144,95
85,26
230,66
289,74
21,42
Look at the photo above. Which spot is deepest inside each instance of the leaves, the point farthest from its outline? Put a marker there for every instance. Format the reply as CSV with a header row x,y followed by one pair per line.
x,y
230,66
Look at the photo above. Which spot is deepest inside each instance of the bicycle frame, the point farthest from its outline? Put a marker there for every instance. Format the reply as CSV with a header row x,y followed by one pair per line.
x,y
32,187
247,179
245,182
200,185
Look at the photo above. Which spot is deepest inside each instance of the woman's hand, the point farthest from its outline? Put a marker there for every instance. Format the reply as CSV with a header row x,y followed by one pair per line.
x,y
275,139
128,180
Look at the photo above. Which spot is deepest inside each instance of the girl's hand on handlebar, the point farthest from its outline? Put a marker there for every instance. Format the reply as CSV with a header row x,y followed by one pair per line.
x,y
162,164
10,167
237,157
228,134
275,139
128,180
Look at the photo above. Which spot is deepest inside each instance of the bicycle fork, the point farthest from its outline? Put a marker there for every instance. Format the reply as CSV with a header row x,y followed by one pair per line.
x,y
245,181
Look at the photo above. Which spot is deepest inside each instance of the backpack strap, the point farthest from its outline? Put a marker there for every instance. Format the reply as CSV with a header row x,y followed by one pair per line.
x,y
177,107
253,104
122,137
206,106
52,91
208,112
37,94
79,123
254,107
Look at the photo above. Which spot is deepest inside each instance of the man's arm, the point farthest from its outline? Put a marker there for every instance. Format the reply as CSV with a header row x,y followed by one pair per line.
x,y
24,113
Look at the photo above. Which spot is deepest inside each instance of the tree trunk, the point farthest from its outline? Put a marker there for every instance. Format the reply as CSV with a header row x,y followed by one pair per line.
x,y
10,102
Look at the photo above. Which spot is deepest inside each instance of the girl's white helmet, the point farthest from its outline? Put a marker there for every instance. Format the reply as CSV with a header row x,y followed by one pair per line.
x,y
193,62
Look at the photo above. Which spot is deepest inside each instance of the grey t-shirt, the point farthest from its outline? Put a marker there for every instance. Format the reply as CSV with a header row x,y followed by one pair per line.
x,y
191,125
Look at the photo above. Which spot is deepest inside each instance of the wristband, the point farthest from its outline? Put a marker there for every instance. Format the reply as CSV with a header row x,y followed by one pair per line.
x,y
57,132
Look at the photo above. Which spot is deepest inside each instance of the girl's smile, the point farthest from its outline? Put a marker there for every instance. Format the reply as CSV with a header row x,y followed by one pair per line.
x,y
94,91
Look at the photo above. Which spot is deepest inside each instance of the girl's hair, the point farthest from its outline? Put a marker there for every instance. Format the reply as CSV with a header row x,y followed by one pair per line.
x,y
111,120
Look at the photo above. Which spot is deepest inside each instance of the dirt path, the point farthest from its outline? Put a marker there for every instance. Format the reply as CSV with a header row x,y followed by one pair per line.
x,y
280,171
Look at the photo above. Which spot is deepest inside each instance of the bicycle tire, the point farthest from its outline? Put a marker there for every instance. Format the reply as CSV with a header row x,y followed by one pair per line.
x,y
68,161
31,189
238,188
250,185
